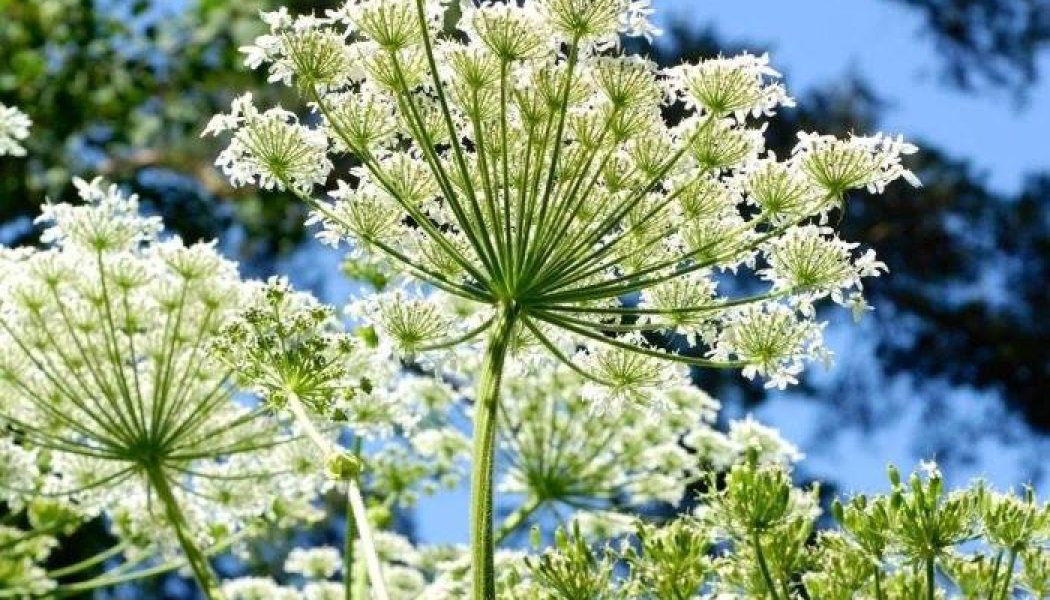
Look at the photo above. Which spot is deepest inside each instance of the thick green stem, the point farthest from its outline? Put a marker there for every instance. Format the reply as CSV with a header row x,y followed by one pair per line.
x,y
878,582
359,513
1010,564
348,541
931,590
756,541
198,562
486,408
348,554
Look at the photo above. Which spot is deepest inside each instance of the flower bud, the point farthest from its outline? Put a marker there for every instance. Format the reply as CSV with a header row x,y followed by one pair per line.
x,y
343,466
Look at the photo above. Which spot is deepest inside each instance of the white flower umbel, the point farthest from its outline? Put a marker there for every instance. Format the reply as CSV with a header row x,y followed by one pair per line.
x,y
271,149
560,452
14,127
522,163
103,365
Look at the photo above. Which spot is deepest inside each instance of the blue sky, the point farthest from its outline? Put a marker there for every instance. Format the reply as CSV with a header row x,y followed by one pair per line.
x,y
815,42
819,42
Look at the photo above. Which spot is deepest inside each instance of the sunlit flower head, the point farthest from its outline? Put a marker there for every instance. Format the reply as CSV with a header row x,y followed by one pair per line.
x,y
524,164
14,127
104,366
271,148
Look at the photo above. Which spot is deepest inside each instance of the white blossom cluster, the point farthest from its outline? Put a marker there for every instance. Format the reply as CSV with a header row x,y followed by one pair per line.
x,y
558,451
412,572
109,402
599,468
14,127
284,343
515,174
524,164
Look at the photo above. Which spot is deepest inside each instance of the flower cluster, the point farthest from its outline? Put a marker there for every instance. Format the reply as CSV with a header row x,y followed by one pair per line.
x,y
293,353
106,385
25,550
551,255
560,453
271,148
14,127
286,343
500,169
753,535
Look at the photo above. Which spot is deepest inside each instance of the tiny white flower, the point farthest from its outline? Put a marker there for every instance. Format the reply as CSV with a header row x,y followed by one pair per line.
x,y
14,127
319,562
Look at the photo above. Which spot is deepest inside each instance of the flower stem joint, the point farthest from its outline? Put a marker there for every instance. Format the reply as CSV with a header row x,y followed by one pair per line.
x,y
344,466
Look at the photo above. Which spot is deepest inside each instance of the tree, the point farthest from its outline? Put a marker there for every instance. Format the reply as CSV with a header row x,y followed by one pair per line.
x,y
993,43
123,89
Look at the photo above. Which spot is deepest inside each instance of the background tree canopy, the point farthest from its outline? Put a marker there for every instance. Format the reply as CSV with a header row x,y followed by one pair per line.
x,y
994,42
123,88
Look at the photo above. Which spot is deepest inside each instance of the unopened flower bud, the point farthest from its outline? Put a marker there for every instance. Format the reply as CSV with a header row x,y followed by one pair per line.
x,y
343,466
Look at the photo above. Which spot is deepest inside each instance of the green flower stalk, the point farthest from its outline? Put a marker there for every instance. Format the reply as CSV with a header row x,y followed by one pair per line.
x,y
927,522
288,348
520,162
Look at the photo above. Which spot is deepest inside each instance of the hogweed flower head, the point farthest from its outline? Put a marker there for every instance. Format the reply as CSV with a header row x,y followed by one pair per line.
x,y
271,149
926,520
1035,572
557,453
523,164
1013,522
286,343
104,367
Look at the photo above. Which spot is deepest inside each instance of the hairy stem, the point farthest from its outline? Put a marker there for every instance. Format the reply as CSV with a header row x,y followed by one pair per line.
x,y
486,409
198,562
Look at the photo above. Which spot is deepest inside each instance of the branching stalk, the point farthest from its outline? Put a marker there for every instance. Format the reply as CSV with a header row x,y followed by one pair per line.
x,y
518,518
89,562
